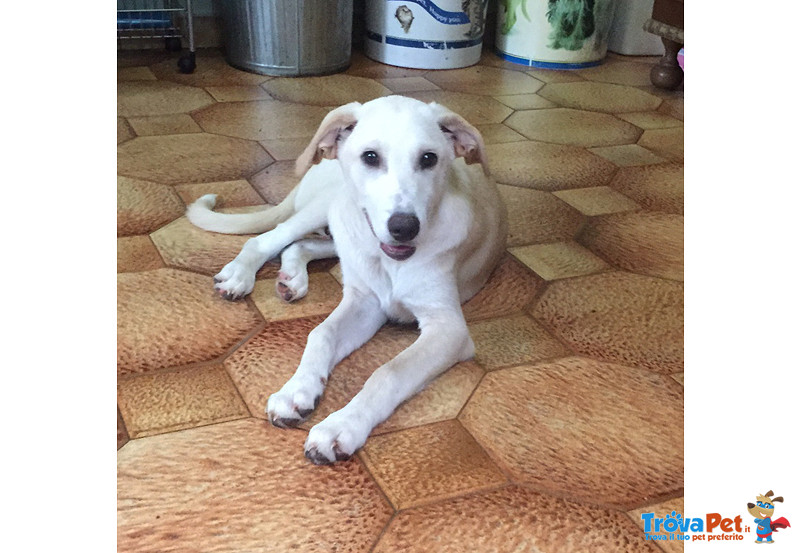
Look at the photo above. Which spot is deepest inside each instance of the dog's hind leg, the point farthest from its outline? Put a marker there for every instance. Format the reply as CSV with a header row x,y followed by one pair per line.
x,y
292,281
238,277
354,321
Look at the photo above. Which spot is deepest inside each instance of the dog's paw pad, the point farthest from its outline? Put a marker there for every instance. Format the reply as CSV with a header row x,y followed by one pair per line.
x,y
291,288
314,455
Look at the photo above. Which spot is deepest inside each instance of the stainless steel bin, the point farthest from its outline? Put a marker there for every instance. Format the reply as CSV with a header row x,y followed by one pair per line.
x,y
288,37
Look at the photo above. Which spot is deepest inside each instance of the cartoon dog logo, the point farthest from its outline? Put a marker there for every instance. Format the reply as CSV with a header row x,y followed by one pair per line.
x,y
762,511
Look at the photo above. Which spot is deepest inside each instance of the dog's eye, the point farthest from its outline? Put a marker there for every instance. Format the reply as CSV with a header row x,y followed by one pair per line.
x,y
428,160
371,158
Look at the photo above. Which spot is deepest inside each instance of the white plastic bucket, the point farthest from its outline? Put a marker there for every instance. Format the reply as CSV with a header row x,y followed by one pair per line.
x,y
554,34
425,34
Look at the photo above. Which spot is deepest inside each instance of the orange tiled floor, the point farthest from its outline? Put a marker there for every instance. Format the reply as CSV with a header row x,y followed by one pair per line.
x,y
566,425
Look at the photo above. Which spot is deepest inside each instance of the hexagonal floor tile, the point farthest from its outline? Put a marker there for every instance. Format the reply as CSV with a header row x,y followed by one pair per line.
x,y
475,109
137,253
547,166
261,120
324,294
637,320
211,70
535,216
276,181
173,123
237,93
185,158
143,206
654,187
429,463
401,85
159,98
168,318
526,101
641,242
245,486
263,365
510,289
559,260
650,120
362,66
235,193
331,90
497,133
124,130
628,73
168,401
566,427
122,432
596,200
608,98
183,245
511,519
627,154
574,127
489,81
511,341
666,143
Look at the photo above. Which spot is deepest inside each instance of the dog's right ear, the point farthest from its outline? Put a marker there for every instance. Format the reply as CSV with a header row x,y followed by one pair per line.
x,y
336,126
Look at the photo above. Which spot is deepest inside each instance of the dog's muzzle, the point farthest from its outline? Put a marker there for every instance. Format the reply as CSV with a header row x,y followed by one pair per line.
x,y
400,225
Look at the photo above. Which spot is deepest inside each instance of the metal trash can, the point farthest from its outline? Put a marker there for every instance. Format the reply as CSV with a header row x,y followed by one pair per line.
x,y
288,37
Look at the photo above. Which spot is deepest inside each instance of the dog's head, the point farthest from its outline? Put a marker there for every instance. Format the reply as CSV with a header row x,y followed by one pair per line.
x,y
764,506
397,155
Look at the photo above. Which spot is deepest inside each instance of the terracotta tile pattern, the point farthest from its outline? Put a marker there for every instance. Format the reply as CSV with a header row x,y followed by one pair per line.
x,y
568,418
654,187
636,321
167,401
145,206
511,519
137,253
569,413
454,462
535,216
241,486
512,341
559,260
169,318
187,158
550,167
628,241
574,127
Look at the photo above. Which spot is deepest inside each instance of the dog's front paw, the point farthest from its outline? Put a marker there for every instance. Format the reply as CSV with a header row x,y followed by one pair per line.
x,y
292,288
295,401
234,281
336,438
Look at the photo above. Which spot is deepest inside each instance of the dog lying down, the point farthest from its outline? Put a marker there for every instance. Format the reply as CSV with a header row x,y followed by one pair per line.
x,y
418,227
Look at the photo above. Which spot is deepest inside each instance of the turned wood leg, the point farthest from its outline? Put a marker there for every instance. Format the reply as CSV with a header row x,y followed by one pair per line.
x,y
667,73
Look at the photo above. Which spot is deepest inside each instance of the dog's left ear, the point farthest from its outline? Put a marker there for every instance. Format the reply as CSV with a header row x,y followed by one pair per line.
x,y
467,140
336,126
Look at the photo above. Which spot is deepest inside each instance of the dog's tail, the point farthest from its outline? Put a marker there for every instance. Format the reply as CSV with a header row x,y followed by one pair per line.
x,y
201,214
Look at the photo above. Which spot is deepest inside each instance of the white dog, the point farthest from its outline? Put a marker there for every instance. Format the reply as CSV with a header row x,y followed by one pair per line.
x,y
418,227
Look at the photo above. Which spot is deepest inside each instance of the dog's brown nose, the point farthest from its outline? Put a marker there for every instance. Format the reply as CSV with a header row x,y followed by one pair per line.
x,y
750,505
403,226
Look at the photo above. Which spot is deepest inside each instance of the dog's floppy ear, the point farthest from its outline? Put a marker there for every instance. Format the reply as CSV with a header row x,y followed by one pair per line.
x,y
336,125
467,140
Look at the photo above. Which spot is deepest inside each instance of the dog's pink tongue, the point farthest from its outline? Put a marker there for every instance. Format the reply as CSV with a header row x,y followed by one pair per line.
x,y
398,253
